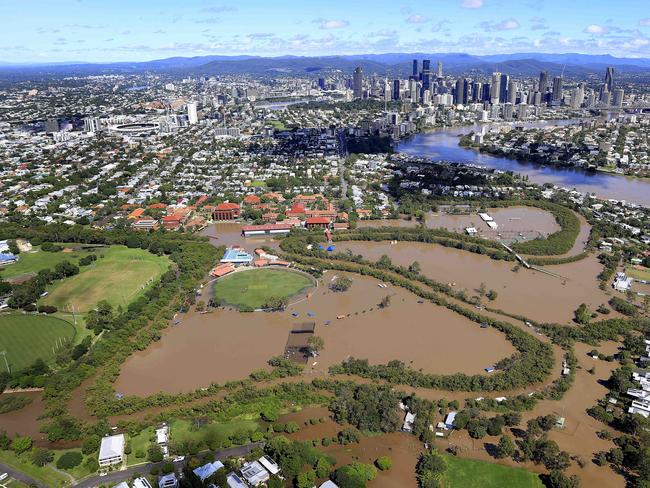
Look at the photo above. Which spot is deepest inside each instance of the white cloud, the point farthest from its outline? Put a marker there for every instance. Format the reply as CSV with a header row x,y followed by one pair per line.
x,y
506,24
331,24
645,22
472,3
417,19
596,29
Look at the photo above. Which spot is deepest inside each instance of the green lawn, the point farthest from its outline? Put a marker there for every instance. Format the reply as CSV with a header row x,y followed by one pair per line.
x,y
36,260
257,184
78,472
29,337
118,277
470,473
638,273
47,475
253,288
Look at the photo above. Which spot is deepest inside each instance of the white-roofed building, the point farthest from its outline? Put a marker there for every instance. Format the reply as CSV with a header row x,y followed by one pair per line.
x,y
141,483
329,484
254,473
111,450
270,465
168,481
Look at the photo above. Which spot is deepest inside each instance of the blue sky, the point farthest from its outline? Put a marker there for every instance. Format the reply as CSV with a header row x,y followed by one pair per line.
x,y
126,30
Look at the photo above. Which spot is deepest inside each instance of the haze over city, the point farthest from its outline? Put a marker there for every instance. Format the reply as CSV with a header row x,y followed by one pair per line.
x,y
120,30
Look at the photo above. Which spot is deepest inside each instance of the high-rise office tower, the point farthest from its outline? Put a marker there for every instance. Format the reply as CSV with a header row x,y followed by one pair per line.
x,y
321,83
477,90
495,90
543,82
485,95
503,89
396,94
413,90
426,75
460,91
415,68
439,73
357,83
609,79
512,92
557,89
578,96
617,98
192,116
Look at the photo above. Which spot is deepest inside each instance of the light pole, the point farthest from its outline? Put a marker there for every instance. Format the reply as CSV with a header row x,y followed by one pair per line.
x,y
4,354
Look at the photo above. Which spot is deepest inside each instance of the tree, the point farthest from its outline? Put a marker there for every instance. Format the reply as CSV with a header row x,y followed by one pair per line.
x,y
384,463
306,479
69,460
40,457
354,475
341,283
557,479
415,267
316,344
384,261
582,315
506,447
429,469
385,302
323,467
21,444
482,289
492,295
155,453
275,303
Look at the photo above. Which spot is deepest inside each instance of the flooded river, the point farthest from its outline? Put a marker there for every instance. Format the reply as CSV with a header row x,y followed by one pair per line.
x,y
443,145
227,345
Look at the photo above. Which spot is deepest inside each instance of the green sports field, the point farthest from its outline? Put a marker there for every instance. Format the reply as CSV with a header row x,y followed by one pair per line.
x,y
253,288
36,260
118,277
29,337
470,473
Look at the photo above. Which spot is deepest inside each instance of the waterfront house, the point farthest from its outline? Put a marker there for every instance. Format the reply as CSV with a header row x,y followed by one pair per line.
x,y
168,481
207,470
226,211
141,483
235,481
111,450
270,465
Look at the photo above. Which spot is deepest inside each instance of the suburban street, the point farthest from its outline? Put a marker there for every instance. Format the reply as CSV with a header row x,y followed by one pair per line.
x,y
117,476
20,476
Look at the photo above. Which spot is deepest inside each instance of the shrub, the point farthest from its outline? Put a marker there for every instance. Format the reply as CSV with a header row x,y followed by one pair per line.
x,y
384,463
21,444
69,460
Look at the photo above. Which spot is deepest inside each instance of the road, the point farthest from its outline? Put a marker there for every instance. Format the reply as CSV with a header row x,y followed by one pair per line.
x,y
127,474
20,476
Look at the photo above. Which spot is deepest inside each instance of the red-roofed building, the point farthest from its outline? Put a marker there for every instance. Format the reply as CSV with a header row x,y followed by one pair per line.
x,y
317,222
296,210
222,270
226,211
202,199
252,200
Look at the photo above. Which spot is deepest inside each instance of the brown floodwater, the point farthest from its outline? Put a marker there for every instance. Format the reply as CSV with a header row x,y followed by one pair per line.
x,y
229,234
25,421
527,292
227,345
403,449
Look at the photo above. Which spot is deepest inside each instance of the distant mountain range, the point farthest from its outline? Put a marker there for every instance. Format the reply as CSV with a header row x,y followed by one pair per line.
x,y
391,64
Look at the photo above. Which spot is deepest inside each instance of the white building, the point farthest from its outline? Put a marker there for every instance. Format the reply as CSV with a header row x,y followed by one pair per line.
x,y
141,483
192,115
254,473
111,450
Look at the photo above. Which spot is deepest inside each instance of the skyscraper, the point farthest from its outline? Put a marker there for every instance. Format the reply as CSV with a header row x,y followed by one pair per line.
x,y
503,91
413,90
495,90
512,92
617,98
321,83
609,79
557,89
415,68
460,91
578,96
192,116
439,73
396,95
357,83
543,82
426,75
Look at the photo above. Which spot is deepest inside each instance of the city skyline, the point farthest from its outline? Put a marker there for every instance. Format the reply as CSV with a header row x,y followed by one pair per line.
x,y
92,31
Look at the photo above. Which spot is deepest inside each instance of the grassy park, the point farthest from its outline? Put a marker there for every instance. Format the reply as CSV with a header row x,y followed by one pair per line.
x,y
470,473
252,289
29,337
118,276
32,262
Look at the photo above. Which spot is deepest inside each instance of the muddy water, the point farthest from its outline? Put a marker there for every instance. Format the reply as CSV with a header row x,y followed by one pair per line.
x,y
25,421
229,234
403,449
227,345
513,223
526,292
